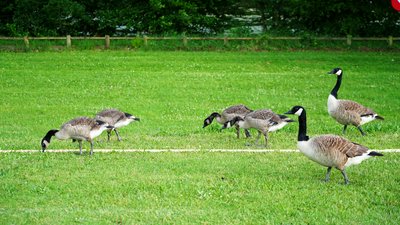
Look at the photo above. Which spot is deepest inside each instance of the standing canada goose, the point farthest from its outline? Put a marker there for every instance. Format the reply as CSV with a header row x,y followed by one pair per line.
x,y
79,129
227,115
116,119
348,112
263,120
329,150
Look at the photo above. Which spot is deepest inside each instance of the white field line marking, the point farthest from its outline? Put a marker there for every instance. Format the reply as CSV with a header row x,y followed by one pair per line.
x,y
180,150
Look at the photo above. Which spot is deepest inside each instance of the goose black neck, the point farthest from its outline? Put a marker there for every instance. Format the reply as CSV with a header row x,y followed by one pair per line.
x,y
303,127
214,114
49,135
337,86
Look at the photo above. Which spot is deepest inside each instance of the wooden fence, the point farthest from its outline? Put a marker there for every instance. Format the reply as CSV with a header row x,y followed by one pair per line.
x,y
107,39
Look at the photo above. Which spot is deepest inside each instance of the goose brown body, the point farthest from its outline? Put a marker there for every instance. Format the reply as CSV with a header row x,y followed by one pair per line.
x,y
115,118
332,150
329,150
78,129
263,121
350,113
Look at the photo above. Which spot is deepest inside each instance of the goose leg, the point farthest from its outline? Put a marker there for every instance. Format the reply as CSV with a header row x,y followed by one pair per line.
x,y
258,137
80,147
91,147
328,174
247,133
346,179
116,132
108,135
344,129
266,138
362,132
237,131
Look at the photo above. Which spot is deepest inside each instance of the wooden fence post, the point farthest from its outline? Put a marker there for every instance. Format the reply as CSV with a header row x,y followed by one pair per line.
x,y
107,37
68,41
145,40
185,41
26,41
348,41
390,39
225,41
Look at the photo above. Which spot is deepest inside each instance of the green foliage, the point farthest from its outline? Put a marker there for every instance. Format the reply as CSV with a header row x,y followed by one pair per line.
x,y
332,18
209,17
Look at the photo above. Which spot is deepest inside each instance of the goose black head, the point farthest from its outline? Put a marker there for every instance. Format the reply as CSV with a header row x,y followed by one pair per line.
x,y
209,119
46,140
337,71
132,117
233,122
296,110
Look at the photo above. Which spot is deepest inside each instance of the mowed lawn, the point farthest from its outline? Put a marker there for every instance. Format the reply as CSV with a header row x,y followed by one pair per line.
x,y
194,188
172,93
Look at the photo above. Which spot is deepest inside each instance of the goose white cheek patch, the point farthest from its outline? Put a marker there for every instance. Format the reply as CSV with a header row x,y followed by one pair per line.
x,y
46,143
339,72
299,112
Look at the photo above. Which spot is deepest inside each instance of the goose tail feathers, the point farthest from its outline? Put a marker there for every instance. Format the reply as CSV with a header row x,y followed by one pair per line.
x,y
372,153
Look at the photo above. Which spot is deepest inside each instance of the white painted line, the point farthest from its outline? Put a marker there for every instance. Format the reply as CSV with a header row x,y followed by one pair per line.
x,y
180,150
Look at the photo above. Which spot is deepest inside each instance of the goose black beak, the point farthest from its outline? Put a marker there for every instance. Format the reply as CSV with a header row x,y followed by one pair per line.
x,y
137,119
331,72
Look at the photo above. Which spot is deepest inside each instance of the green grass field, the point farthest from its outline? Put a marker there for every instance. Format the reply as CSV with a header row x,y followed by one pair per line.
x,y
194,188
172,93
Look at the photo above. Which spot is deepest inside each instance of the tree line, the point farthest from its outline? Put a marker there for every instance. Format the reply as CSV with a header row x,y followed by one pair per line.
x,y
374,18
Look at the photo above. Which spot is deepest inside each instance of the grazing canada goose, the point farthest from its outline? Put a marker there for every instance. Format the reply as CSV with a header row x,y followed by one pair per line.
x,y
329,150
348,112
263,120
116,119
227,115
79,129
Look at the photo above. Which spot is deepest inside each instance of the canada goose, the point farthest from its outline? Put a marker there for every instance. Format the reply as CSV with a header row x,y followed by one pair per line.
x,y
263,120
227,115
116,119
329,150
348,112
79,129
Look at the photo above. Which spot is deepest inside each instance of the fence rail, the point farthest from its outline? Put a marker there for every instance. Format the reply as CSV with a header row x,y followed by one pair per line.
x,y
107,39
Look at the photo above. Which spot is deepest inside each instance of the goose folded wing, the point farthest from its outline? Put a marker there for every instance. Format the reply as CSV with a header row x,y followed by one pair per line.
x,y
356,107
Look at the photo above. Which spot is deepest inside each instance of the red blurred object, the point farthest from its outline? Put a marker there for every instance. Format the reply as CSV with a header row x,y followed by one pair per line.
x,y
396,4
